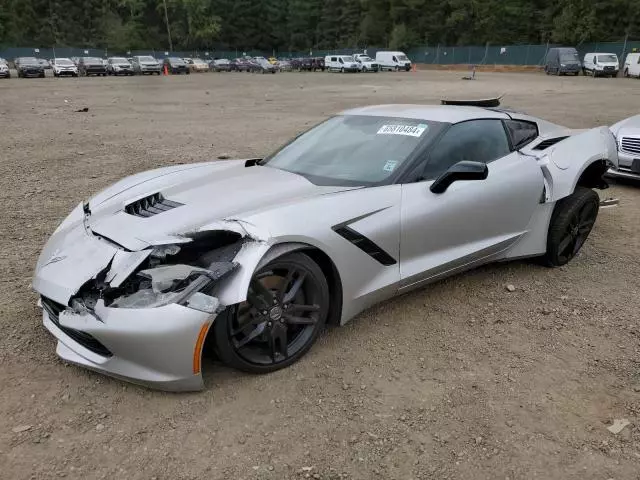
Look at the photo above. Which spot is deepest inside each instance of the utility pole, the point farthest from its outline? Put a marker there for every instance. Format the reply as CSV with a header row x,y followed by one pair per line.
x,y
166,20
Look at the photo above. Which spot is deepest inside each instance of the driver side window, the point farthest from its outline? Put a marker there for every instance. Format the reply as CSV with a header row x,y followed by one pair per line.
x,y
476,140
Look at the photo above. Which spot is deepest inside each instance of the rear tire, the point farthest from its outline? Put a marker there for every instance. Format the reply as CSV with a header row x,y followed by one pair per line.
x,y
247,339
571,223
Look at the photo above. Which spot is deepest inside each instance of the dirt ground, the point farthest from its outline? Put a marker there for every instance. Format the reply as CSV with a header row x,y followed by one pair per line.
x,y
460,380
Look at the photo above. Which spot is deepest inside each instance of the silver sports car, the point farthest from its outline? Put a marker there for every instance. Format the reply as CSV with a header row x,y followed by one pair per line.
x,y
253,258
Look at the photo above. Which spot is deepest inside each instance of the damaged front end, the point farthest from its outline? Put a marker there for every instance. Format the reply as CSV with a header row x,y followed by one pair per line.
x,y
141,316
183,274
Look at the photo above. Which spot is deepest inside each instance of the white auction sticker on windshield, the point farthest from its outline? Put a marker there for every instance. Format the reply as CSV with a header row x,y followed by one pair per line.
x,y
409,130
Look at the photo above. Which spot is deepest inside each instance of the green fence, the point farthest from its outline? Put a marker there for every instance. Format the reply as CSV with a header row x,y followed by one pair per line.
x,y
437,55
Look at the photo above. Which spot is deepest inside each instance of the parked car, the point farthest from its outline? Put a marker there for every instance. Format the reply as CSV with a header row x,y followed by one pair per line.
x,y
393,61
284,65
562,61
221,65
4,69
197,65
249,272
318,63
28,67
176,66
304,64
63,67
632,65
146,65
119,66
601,64
91,66
366,63
341,63
241,65
627,133
262,65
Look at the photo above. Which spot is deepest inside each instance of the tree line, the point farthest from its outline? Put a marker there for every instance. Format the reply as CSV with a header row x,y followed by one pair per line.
x,y
292,25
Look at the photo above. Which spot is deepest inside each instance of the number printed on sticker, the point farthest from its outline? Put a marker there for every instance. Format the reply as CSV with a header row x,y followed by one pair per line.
x,y
409,130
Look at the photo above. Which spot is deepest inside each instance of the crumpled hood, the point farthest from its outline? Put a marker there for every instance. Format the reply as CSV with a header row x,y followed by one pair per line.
x,y
208,192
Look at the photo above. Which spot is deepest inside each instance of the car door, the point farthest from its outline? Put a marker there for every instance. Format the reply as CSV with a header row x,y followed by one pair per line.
x,y
471,222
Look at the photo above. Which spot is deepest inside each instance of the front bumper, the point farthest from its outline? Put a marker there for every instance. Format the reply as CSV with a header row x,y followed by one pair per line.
x,y
32,72
66,73
157,347
154,347
122,71
150,69
95,70
628,166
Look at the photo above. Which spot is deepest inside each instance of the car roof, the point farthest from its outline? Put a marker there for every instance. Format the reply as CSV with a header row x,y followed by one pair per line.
x,y
437,113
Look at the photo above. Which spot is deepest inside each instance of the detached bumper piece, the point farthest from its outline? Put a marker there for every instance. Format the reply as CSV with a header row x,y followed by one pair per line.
x,y
53,310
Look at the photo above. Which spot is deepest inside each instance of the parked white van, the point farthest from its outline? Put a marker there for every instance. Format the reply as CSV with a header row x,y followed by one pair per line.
x,y
632,65
601,64
393,61
341,63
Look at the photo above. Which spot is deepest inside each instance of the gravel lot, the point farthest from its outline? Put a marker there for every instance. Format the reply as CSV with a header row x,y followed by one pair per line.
x,y
461,380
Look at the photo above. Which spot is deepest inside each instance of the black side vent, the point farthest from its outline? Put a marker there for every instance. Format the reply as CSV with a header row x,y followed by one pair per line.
x,y
150,206
543,145
364,244
53,310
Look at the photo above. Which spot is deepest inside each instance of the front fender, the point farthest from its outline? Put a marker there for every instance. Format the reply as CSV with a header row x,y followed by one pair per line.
x,y
563,164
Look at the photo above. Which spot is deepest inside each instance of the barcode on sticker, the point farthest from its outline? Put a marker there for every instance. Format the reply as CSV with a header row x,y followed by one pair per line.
x,y
410,130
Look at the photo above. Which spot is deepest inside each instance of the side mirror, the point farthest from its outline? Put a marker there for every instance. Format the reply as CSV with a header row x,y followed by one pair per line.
x,y
464,170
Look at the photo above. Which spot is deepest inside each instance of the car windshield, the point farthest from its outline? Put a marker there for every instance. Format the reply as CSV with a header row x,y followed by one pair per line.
x,y
223,60
29,60
176,61
92,60
198,61
146,59
353,149
63,61
365,59
119,60
403,58
569,57
348,59
607,58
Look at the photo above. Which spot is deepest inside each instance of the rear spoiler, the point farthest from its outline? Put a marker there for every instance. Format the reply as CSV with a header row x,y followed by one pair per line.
x,y
485,102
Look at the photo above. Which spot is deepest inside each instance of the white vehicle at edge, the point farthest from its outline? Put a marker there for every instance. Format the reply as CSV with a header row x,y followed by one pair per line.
x,y
627,134
4,69
393,61
601,64
341,63
64,67
632,65
255,257
366,63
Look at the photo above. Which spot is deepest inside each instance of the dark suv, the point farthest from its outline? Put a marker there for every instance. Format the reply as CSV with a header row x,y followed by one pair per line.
x,y
176,66
91,66
28,67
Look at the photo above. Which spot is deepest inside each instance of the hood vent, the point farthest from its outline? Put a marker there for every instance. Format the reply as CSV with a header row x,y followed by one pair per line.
x,y
150,206
543,145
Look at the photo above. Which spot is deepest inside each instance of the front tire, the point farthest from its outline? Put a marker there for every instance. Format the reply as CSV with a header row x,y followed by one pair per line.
x,y
285,312
571,223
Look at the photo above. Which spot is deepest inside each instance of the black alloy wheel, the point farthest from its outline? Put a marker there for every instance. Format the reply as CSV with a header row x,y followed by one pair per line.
x,y
570,226
285,311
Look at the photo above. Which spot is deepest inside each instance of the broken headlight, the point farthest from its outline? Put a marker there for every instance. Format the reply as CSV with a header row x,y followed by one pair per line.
x,y
182,284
